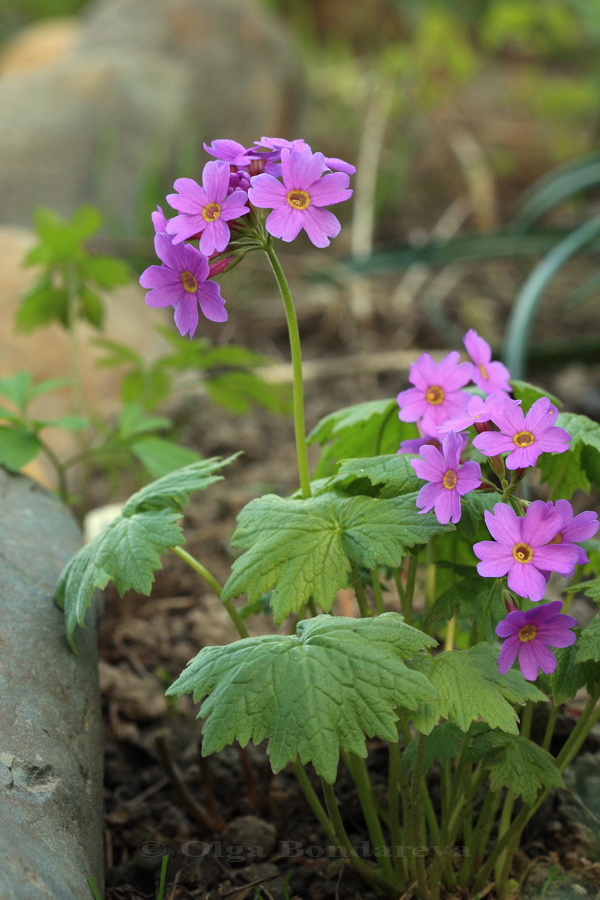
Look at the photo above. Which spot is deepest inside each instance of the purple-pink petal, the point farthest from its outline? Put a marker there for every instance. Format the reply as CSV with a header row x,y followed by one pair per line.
x,y
495,559
266,191
508,654
330,189
428,495
215,180
300,168
527,581
284,223
491,443
503,524
211,302
320,225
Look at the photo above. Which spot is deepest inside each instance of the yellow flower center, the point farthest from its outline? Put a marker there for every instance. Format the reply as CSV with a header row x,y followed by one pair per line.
x,y
523,553
189,282
483,371
449,480
211,212
527,633
523,439
435,395
298,199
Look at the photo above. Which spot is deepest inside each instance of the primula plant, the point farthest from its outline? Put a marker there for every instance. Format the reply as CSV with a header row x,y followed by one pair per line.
x,y
419,504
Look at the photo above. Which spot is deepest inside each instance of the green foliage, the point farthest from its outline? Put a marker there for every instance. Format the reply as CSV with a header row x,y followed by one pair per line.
x,y
312,693
588,645
366,429
470,688
225,372
20,436
66,288
304,548
441,745
516,763
128,551
579,465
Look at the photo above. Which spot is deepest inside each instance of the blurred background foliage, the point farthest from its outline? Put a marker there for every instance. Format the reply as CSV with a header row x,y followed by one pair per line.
x,y
452,110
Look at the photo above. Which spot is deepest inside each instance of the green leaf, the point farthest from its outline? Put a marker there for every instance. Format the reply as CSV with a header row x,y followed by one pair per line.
x,y
516,763
17,389
442,744
364,430
588,645
569,675
576,467
591,589
238,391
17,447
91,307
118,353
105,271
391,473
233,356
301,548
473,590
70,423
312,693
472,521
160,456
529,393
128,551
148,388
173,491
134,421
470,688
41,304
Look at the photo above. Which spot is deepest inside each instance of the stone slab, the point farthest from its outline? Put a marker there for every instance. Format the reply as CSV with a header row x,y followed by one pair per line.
x,y
50,721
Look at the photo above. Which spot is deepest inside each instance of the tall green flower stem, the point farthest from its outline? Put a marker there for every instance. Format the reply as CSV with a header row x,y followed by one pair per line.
x,y
212,582
298,386
415,817
358,770
367,872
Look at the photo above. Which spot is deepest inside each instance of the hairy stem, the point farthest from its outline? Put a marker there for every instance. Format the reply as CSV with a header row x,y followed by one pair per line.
x,y
298,385
203,572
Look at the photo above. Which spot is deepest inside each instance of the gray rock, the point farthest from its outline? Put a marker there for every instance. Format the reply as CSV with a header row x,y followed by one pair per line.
x,y
50,724
130,104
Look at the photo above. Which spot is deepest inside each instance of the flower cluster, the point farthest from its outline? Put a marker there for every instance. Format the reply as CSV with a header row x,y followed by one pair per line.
x,y
284,177
529,541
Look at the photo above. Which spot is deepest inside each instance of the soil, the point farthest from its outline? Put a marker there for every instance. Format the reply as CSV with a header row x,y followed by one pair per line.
x,y
162,797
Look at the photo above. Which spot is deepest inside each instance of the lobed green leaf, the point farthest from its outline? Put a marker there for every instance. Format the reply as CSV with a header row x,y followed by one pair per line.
x,y
312,693
516,763
303,548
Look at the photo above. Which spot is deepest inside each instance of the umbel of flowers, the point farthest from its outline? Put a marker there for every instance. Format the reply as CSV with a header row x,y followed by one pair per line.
x,y
529,540
224,214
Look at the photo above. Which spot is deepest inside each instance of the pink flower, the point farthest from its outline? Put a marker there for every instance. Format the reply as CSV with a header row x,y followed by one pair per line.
x,y
574,528
478,413
448,480
181,282
528,636
523,548
298,202
158,220
436,395
278,144
205,210
490,377
524,437
231,152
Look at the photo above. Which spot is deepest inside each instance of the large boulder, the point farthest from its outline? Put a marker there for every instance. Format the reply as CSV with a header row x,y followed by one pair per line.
x,y
139,88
